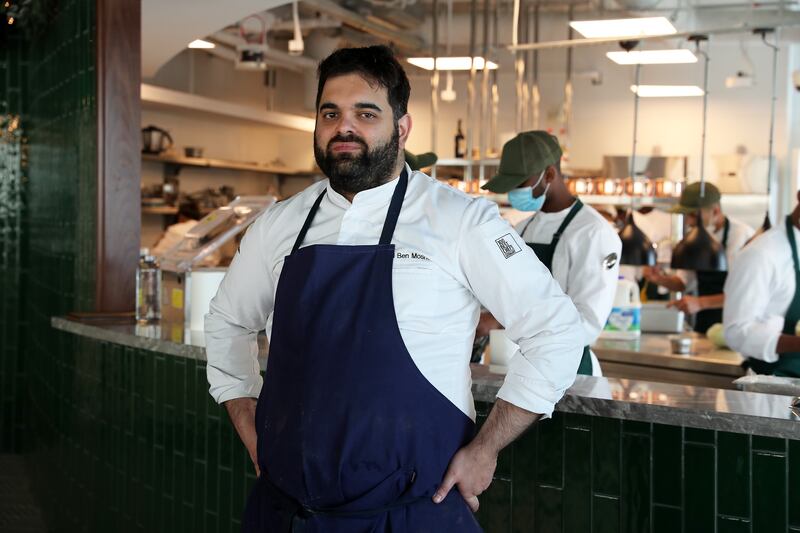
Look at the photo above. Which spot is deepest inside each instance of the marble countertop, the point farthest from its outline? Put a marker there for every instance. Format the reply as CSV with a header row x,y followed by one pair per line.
x,y
164,337
655,350
700,407
735,411
770,384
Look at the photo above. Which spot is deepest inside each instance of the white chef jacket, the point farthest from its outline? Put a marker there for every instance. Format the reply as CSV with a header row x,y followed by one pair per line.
x,y
581,264
738,235
758,292
452,253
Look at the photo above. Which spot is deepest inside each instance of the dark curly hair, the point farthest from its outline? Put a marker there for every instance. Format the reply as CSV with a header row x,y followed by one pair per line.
x,y
377,65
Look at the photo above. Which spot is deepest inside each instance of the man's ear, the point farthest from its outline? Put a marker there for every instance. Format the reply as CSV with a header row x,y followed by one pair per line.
x,y
550,174
404,129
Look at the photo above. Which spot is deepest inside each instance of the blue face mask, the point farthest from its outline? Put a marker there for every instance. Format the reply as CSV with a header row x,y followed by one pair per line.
x,y
522,199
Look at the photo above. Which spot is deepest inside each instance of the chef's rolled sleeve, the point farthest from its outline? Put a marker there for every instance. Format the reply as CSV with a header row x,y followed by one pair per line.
x,y
238,311
748,328
510,281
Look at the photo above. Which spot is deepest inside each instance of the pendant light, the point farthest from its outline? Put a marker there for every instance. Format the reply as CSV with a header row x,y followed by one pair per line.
x,y
699,250
637,249
763,32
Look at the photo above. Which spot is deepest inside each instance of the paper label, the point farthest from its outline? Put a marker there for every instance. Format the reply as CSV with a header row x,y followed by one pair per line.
x,y
177,298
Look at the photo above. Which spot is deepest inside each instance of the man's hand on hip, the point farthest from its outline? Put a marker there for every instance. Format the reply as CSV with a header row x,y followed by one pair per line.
x,y
242,412
472,467
471,471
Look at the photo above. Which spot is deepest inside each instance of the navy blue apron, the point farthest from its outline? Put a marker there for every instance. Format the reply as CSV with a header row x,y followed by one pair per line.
x,y
788,364
351,436
545,253
711,283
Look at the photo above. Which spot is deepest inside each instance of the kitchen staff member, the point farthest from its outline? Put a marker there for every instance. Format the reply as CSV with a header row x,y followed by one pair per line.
x,y
762,300
706,304
571,239
373,281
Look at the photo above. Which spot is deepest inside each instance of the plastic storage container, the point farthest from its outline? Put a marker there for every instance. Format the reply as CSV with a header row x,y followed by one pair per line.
x,y
625,320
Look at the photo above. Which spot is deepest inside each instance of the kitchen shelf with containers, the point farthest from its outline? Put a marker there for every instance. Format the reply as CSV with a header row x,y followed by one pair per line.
x,y
162,199
224,164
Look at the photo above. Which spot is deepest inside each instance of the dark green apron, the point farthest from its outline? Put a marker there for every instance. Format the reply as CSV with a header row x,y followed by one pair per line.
x,y
545,253
788,364
711,283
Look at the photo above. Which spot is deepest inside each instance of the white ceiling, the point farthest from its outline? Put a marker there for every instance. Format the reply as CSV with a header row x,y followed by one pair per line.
x,y
169,25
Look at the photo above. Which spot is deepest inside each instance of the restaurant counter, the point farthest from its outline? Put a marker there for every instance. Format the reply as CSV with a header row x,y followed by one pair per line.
x,y
651,358
627,399
617,455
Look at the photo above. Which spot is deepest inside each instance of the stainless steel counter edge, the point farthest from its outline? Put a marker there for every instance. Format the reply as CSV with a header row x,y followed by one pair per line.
x,y
662,403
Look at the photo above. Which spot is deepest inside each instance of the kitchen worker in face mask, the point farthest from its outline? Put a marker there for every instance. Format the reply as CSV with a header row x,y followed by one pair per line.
x,y
578,246
370,285
762,300
707,299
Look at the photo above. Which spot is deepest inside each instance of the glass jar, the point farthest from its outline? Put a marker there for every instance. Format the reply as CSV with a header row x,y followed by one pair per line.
x,y
148,288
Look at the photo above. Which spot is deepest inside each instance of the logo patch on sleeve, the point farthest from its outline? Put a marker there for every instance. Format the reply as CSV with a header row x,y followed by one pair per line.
x,y
508,246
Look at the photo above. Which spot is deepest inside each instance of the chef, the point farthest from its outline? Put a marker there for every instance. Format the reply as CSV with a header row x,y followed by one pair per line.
x,y
762,300
571,239
371,283
707,299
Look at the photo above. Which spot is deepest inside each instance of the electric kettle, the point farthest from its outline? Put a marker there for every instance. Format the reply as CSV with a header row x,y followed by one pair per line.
x,y
155,140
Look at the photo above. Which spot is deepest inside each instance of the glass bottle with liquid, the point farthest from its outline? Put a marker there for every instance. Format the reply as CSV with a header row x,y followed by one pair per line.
x,y
461,147
148,288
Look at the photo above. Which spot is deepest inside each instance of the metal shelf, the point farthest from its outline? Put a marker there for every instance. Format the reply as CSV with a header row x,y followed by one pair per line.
x,y
597,199
609,199
225,164
467,162
160,96
159,210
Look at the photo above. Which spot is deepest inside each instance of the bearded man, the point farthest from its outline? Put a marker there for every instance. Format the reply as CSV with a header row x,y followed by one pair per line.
x,y
370,284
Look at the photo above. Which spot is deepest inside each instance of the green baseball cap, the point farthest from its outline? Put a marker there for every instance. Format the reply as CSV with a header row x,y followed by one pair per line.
x,y
525,155
419,161
691,200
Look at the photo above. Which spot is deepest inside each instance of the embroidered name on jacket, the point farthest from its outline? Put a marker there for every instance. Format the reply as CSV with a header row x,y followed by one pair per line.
x,y
411,255
508,246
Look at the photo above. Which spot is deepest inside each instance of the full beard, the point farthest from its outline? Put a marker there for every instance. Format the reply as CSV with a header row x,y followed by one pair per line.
x,y
353,173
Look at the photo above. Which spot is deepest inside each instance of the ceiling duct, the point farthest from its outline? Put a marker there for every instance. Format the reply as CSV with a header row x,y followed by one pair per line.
x,y
272,56
371,25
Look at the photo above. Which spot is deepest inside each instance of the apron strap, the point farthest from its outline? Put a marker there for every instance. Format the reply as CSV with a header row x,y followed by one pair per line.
x,y
557,235
394,208
307,224
572,212
725,233
391,216
792,243
525,228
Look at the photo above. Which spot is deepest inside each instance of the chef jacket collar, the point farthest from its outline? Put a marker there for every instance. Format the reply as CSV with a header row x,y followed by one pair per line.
x,y
541,215
381,194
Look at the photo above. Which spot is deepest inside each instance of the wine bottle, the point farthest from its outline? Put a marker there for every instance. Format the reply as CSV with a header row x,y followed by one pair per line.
x,y
460,142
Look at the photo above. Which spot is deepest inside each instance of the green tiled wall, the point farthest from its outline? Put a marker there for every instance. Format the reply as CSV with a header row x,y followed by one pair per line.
x,y
577,473
63,164
135,443
47,249
13,72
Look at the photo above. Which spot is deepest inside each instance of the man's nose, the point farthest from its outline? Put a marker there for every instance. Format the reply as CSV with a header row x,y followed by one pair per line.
x,y
346,125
